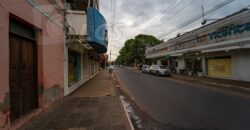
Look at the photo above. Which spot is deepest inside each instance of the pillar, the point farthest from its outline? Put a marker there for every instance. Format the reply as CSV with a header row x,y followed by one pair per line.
x,y
204,65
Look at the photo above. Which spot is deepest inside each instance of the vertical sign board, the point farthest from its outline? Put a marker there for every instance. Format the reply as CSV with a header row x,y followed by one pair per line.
x,y
90,25
220,68
100,28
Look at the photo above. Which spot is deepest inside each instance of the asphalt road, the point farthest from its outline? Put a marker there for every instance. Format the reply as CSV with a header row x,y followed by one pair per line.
x,y
186,105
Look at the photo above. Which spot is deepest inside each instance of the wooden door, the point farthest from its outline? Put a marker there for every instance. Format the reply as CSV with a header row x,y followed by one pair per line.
x,y
23,76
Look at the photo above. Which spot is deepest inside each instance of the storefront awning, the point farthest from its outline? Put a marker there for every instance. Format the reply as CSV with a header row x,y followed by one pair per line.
x,y
222,45
174,55
97,30
227,48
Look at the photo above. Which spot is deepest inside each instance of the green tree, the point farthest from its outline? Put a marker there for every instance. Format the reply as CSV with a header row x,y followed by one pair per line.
x,y
134,49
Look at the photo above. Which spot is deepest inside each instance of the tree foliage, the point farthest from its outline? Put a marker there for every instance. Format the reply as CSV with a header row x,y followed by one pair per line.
x,y
134,49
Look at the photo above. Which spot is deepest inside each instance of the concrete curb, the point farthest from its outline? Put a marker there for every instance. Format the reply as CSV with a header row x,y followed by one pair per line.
x,y
114,77
225,86
127,115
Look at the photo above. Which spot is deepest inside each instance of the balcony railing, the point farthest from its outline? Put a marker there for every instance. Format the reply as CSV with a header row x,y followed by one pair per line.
x,y
77,21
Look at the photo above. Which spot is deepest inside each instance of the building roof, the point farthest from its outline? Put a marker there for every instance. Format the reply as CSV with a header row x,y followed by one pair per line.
x,y
231,15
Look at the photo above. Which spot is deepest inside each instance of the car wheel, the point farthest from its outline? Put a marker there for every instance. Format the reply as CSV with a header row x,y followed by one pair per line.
x,y
157,74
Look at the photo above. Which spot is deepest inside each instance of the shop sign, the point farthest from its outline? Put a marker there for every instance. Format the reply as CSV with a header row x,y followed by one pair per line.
x,y
225,31
229,30
159,50
178,46
202,38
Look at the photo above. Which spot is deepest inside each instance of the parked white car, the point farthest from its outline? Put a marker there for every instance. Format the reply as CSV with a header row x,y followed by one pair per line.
x,y
159,70
145,69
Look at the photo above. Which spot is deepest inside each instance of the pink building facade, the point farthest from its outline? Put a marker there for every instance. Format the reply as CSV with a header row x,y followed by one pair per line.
x,y
32,59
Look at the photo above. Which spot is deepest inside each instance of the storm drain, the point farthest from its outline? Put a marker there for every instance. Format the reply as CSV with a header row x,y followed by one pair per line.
x,y
137,122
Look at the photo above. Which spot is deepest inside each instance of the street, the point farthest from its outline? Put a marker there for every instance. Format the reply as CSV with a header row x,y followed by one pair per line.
x,y
186,105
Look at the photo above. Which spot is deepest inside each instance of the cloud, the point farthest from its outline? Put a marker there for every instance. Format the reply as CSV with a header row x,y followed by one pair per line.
x,y
157,16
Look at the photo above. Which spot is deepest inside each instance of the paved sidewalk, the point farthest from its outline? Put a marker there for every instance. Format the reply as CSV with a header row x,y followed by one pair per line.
x,y
240,86
101,85
85,109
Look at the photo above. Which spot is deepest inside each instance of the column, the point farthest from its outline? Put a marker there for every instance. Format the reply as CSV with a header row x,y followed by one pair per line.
x,y
204,65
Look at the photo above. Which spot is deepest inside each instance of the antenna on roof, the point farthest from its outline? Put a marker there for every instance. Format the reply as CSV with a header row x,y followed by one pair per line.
x,y
204,21
248,7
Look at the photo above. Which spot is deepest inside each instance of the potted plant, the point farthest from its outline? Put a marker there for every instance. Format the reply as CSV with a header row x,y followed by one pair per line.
x,y
190,72
200,73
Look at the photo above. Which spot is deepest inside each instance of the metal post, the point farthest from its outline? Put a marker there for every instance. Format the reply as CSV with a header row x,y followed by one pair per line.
x,y
94,4
89,3
204,65
110,56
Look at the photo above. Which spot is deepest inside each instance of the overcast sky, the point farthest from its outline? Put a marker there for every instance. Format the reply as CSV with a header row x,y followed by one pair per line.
x,y
158,17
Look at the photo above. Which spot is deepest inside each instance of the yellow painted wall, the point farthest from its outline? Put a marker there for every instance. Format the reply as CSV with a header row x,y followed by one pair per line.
x,y
220,68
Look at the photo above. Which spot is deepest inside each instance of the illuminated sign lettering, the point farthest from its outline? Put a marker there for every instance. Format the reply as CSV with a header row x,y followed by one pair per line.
x,y
229,31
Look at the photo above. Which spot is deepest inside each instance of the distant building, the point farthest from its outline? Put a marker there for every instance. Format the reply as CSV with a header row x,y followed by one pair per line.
x,y
48,49
220,49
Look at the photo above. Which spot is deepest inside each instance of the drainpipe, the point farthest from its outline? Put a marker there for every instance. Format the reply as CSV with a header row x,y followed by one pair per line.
x,y
65,52
89,3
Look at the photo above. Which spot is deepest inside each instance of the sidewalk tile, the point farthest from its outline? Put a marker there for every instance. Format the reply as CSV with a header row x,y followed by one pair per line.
x,y
80,112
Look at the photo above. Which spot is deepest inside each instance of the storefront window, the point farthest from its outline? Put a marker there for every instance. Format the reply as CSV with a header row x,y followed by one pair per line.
x,y
194,65
74,67
92,63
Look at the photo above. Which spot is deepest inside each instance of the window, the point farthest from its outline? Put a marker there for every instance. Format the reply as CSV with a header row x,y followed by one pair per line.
x,y
74,67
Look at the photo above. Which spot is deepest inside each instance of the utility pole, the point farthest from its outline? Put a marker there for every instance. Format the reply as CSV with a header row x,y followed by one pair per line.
x,y
110,56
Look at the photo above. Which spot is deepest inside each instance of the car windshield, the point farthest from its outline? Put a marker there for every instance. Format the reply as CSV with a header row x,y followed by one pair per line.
x,y
162,67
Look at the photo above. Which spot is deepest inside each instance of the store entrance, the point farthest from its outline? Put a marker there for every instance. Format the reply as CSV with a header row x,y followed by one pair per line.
x,y
23,76
194,65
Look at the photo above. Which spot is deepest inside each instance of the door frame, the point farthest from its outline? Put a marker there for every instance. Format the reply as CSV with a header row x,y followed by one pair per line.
x,y
35,61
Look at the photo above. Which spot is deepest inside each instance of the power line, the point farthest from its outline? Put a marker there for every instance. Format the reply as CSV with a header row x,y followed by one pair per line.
x,y
172,4
187,5
207,34
171,17
197,17
111,5
114,15
221,5
161,13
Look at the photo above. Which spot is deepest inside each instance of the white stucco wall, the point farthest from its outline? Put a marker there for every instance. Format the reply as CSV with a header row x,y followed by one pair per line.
x,y
241,65
78,21
181,64
158,62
